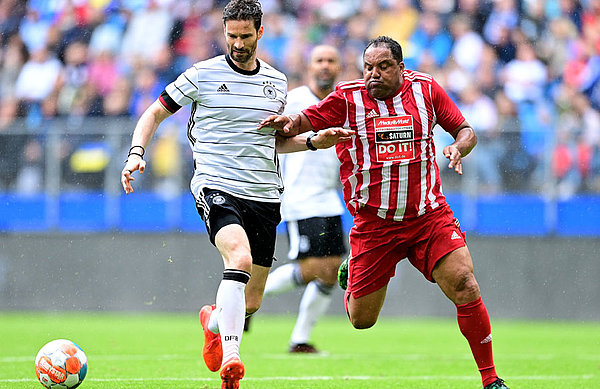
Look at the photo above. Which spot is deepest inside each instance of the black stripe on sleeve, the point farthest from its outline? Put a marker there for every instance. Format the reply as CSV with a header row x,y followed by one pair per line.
x,y
168,102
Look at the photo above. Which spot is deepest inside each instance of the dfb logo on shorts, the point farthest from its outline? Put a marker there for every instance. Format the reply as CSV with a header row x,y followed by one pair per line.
x,y
218,200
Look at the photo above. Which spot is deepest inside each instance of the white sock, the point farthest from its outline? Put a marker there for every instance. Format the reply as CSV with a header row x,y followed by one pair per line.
x,y
231,309
314,303
213,321
283,279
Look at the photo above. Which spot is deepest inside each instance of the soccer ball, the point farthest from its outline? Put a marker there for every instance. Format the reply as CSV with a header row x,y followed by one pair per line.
x,y
61,364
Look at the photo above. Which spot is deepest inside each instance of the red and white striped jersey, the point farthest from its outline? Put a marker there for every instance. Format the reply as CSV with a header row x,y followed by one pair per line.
x,y
389,165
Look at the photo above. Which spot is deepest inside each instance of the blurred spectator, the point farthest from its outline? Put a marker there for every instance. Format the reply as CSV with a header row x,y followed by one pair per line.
x,y
429,39
104,72
11,14
14,56
556,45
468,45
502,20
107,36
147,32
516,165
74,95
11,145
481,113
145,89
505,46
34,30
397,22
116,101
525,77
476,11
275,40
35,84
486,75
30,177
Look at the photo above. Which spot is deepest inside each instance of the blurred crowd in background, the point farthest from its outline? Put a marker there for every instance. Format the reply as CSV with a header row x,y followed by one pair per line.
x,y
526,74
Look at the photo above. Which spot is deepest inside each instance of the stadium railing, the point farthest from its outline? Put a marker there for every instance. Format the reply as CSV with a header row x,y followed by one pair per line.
x,y
72,185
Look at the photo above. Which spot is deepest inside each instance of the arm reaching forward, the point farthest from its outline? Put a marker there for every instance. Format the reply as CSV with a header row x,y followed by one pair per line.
x,y
288,125
323,139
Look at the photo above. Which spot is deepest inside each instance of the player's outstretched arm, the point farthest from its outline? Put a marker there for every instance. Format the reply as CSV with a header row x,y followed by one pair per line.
x,y
143,133
464,141
288,125
323,139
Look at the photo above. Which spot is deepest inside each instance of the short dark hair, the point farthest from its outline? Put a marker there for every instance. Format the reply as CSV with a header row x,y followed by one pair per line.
x,y
386,41
243,10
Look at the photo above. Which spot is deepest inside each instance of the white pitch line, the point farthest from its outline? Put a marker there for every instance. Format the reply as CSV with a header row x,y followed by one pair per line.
x,y
329,378
323,355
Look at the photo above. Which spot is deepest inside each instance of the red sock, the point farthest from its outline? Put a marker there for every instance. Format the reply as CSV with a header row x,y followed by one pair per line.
x,y
474,323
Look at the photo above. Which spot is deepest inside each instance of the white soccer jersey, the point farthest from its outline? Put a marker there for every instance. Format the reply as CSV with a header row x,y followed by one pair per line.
x,y
228,103
312,178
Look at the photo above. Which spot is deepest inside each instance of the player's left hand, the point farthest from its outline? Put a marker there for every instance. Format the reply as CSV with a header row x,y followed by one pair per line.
x,y
330,137
453,154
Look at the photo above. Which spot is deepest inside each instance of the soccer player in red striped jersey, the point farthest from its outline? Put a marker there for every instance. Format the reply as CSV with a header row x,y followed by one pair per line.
x,y
392,186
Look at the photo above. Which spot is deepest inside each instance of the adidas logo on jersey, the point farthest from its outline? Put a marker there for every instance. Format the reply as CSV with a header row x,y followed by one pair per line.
x,y
372,114
455,235
223,88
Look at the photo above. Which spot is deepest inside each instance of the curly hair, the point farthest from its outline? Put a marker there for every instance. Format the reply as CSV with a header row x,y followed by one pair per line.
x,y
243,10
389,43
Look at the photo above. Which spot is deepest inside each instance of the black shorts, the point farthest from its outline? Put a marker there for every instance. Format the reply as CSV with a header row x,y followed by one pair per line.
x,y
259,219
316,237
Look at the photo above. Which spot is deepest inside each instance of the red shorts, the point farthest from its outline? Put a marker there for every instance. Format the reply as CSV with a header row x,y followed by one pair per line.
x,y
377,245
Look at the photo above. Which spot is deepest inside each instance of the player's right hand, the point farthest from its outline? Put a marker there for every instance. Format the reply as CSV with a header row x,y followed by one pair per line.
x,y
133,163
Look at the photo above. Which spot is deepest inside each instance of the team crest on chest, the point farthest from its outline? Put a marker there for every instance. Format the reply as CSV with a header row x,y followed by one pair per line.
x,y
269,90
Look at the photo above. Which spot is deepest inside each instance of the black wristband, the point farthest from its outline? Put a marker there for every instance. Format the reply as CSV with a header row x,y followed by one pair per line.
x,y
133,147
309,143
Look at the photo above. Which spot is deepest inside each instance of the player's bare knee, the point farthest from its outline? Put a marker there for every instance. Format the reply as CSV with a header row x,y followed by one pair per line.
x,y
466,288
362,323
251,308
329,278
240,261
252,303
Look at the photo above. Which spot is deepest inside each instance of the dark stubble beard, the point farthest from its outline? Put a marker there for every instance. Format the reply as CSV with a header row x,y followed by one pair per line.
x,y
325,83
242,57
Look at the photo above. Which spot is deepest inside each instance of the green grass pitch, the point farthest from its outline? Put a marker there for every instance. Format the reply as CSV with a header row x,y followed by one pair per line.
x,y
164,351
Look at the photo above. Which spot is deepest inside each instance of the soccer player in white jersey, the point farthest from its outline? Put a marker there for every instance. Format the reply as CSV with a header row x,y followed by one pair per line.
x,y
391,185
236,182
312,209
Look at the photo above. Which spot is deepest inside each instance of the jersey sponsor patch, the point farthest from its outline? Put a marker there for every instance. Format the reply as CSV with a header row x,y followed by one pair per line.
x,y
394,138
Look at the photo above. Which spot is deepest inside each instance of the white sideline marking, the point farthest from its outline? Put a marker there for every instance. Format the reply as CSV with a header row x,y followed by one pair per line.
x,y
322,355
330,378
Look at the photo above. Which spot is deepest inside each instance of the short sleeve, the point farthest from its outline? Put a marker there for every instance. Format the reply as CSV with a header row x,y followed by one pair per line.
x,y
330,112
183,90
448,115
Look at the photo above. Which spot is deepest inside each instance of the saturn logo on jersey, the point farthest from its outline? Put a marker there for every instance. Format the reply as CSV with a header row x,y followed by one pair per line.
x,y
218,200
269,90
394,138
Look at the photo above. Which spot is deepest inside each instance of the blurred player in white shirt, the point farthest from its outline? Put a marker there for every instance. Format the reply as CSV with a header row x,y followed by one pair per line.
x,y
312,208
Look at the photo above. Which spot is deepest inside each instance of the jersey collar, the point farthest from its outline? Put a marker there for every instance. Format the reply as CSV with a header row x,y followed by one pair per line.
x,y
240,70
